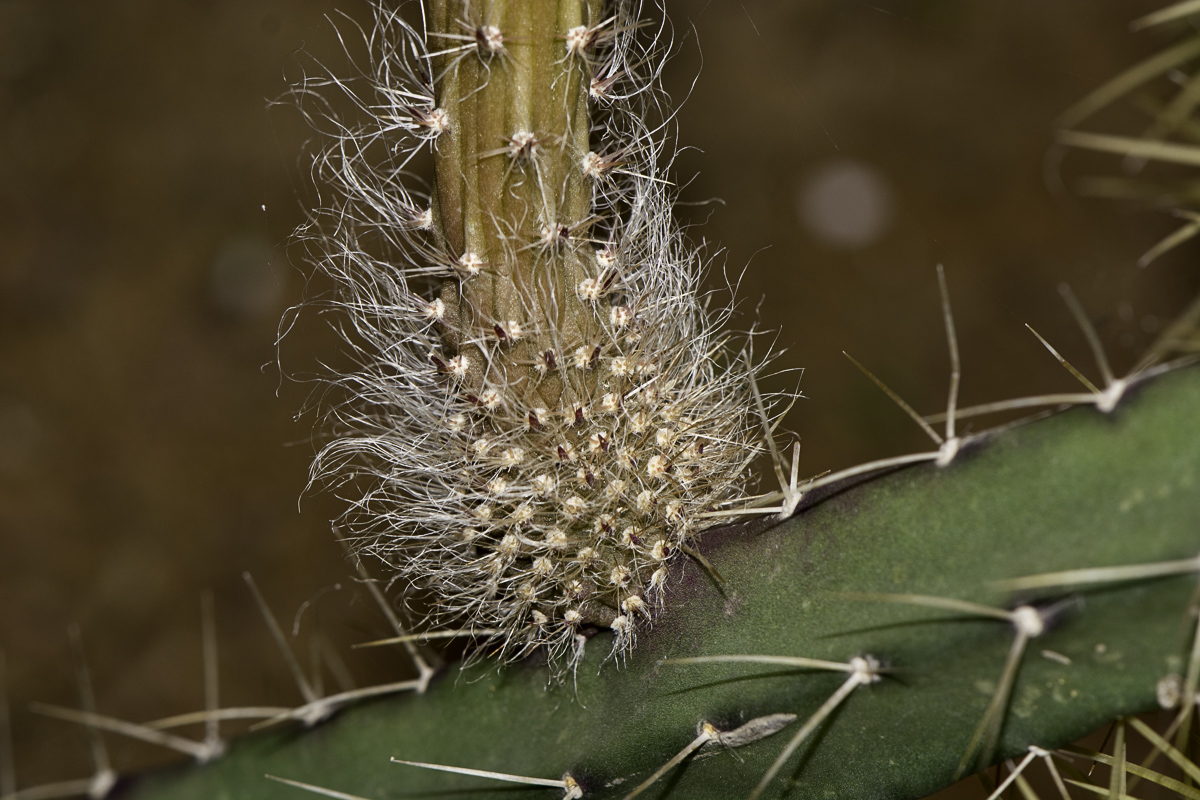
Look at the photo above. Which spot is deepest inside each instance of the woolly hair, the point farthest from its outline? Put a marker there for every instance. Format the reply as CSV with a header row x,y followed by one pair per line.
x,y
544,407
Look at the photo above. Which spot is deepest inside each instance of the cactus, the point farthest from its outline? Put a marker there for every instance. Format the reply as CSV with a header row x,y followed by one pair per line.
x,y
545,412
1078,490
546,418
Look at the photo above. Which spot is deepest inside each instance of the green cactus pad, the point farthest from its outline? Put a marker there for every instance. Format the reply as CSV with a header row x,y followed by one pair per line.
x,y
1080,489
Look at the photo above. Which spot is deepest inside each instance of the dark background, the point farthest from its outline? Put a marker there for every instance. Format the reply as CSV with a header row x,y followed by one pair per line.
x,y
148,446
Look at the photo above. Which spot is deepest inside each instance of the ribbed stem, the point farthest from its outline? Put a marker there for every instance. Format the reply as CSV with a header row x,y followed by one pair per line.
x,y
511,199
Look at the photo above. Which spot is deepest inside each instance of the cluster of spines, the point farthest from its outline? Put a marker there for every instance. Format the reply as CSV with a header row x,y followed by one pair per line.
x,y
543,405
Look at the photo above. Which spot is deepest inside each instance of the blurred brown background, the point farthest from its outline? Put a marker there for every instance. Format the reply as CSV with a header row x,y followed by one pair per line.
x,y
147,443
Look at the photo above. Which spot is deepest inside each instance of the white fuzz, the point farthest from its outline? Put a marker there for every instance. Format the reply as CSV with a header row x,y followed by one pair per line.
x,y
489,38
436,310
470,263
583,356
529,478
589,289
459,366
522,144
606,257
